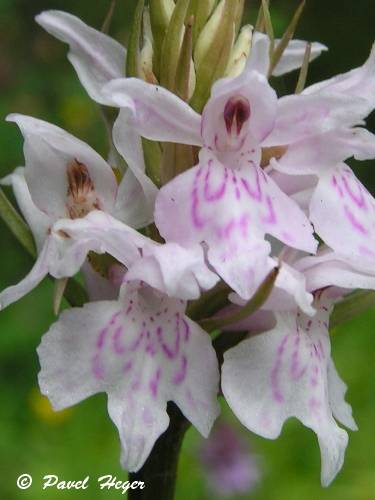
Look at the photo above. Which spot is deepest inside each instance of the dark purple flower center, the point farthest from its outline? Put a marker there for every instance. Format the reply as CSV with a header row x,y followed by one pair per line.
x,y
236,113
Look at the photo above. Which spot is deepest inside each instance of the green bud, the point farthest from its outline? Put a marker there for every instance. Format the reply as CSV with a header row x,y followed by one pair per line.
x,y
185,77
240,52
171,49
133,55
160,13
147,51
201,12
213,49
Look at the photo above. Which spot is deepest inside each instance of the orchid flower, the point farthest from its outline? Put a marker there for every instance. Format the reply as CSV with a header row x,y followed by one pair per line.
x,y
290,366
292,375
262,178
64,179
142,350
227,201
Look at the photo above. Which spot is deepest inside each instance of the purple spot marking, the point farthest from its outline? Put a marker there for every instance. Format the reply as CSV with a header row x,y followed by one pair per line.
x,y
220,191
271,216
276,391
117,346
256,195
180,376
337,186
154,383
127,366
358,200
186,329
97,368
171,352
101,338
354,222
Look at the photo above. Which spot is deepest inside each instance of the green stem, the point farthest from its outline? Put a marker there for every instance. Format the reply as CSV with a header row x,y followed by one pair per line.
x,y
159,472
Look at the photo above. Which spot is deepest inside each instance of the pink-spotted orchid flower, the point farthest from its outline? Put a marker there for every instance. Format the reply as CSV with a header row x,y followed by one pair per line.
x,y
289,365
142,350
339,206
288,372
227,201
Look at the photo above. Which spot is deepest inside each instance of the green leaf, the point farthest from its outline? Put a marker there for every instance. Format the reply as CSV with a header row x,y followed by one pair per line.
x,y
16,224
353,305
258,299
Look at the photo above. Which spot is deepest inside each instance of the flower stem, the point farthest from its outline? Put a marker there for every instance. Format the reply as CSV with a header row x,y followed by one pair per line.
x,y
159,472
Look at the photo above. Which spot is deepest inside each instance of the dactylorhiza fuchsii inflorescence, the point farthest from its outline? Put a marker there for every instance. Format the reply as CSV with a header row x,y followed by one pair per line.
x,y
222,208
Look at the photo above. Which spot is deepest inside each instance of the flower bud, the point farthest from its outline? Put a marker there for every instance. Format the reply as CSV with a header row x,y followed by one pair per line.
x,y
160,13
240,52
213,49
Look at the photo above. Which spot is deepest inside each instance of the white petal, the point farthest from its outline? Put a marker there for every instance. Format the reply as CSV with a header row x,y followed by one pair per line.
x,y
289,292
143,352
159,114
317,153
259,59
49,151
343,213
101,233
341,410
359,82
38,221
283,373
302,116
336,269
293,56
174,270
136,196
35,276
96,57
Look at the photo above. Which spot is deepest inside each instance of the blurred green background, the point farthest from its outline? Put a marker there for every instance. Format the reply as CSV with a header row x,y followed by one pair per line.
x,y
36,79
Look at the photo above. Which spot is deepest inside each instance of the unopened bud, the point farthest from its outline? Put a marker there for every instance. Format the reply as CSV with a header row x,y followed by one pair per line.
x,y
240,52
209,33
160,13
213,49
147,51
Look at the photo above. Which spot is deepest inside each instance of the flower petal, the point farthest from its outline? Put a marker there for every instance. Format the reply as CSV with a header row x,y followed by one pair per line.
x,y
136,211
343,213
253,90
317,153
301,116
179,272
259,58
49,152
96,57
100,233
159,114
288,369
32,280
231,210
359,82
37,220
293,56
330,268
143,351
